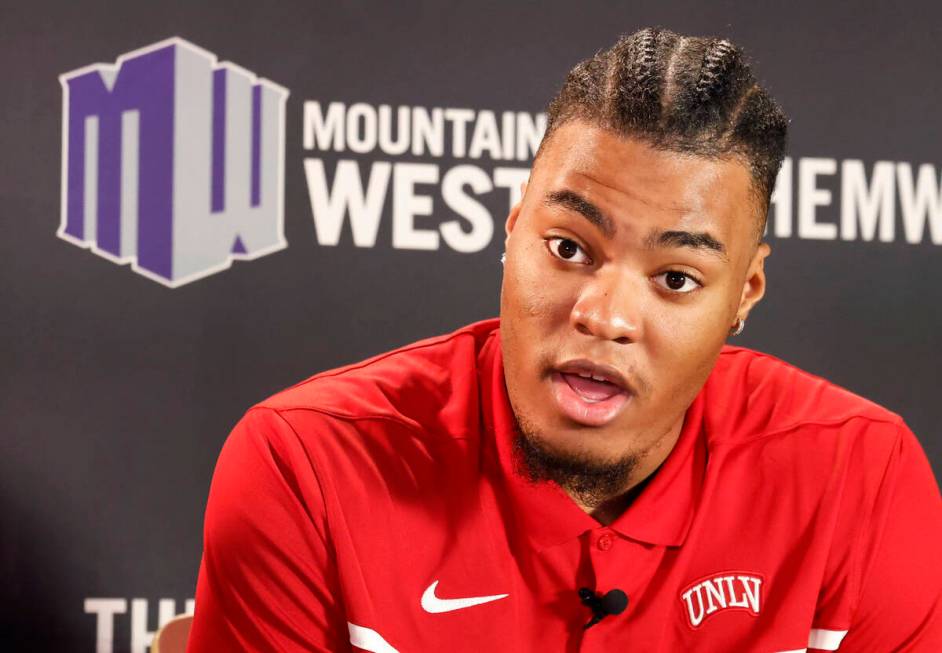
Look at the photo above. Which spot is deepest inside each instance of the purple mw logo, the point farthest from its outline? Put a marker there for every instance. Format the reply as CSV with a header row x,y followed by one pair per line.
x,y
172,162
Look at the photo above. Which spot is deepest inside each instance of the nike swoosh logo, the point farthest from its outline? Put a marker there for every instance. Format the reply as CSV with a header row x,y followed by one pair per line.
x,y
435,605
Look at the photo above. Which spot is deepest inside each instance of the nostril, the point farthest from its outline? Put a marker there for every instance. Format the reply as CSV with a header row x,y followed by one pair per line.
x,y
623,340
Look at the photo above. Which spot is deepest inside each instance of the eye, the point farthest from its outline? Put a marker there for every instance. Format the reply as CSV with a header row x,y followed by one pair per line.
x,y
678,282
567,250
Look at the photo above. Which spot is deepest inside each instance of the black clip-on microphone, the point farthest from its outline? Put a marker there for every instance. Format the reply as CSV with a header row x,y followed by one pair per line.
x,y
614,602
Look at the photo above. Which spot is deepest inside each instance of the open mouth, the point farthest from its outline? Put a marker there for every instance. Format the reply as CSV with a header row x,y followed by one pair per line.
x,y
591,389
588,397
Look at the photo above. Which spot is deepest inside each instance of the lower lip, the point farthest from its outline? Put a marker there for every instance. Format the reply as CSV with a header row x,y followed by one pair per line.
x,y
582,410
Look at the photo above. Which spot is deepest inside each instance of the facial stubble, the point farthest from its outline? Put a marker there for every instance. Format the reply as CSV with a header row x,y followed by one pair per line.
x,y
588,480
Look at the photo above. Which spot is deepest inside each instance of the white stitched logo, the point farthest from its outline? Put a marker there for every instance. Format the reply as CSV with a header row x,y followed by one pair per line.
x,y
731,590
435,605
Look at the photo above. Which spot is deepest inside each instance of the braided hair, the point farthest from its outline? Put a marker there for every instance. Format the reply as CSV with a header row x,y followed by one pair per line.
x,y
684,94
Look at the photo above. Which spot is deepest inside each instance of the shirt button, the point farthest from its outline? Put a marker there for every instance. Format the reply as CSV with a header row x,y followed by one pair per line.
x,y
604,542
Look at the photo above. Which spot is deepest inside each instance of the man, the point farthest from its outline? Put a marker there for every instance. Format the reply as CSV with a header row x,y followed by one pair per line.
x,y
595,470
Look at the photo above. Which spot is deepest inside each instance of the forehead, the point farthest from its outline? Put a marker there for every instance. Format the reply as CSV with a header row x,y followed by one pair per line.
x,y
644,188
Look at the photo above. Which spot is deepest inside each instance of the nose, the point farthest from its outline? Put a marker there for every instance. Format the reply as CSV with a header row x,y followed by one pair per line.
x,y
609,308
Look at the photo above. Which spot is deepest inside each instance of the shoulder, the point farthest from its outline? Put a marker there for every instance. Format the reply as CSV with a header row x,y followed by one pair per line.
x,y
828,471
800,419
757,394
398,422
414,386
810,440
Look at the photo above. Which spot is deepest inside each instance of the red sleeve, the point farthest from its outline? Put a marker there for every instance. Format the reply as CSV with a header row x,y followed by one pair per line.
x,y
268,578
900,602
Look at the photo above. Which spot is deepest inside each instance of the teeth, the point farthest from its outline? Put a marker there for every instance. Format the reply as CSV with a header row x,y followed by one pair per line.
x,y
594,377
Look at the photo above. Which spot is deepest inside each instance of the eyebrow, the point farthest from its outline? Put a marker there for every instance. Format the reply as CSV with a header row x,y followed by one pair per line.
x,y
575,202
699,240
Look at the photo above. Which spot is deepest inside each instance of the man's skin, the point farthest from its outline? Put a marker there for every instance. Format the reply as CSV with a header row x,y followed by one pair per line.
x,y
610,301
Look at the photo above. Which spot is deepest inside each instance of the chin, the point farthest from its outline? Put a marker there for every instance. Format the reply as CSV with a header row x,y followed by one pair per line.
x,y
577,442
590,476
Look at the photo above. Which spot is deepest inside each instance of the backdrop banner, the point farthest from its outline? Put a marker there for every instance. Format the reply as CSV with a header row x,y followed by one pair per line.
x,y
206,202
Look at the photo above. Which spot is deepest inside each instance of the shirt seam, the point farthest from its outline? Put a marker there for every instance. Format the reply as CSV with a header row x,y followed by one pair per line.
x,y
860,573
328,534
413,427
310,460
891,419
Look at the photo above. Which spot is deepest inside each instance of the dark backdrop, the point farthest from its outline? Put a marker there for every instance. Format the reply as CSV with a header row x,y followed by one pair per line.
x,y
116,391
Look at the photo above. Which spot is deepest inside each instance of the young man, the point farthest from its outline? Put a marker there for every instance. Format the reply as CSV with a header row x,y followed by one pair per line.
x,y
595,470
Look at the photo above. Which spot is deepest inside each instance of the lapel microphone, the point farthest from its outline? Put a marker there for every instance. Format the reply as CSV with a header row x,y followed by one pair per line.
x,y
612,603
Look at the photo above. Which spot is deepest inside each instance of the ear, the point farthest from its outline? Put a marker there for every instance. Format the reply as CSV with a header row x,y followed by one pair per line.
x,y
753,288
514,214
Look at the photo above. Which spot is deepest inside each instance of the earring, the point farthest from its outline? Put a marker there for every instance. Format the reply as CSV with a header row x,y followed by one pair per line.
x,y
738,328
503,257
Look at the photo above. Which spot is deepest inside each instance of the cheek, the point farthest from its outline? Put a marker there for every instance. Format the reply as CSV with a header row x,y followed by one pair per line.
x,y
685,341
529,293
533,318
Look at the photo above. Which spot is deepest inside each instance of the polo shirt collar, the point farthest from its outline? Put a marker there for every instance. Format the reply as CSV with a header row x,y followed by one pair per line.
x,y
661,514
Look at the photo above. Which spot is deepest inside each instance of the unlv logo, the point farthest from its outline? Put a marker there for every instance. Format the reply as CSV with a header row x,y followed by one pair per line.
x,y
731,590
172,162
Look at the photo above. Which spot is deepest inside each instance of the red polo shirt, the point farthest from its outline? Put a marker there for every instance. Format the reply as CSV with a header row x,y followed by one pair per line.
x,y
375,508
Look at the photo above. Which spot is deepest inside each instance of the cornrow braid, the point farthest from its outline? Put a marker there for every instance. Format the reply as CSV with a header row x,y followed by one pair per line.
x,y
637,82
718,60
686,94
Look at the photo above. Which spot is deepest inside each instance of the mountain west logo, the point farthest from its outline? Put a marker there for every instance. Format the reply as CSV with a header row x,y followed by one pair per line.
x,y
172,162
731,590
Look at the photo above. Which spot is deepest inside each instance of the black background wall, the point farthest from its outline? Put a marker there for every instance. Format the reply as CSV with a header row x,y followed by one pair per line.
x,y
116,391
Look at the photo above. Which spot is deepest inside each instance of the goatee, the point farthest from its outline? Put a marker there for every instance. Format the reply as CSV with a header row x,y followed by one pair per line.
x,y
589,481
